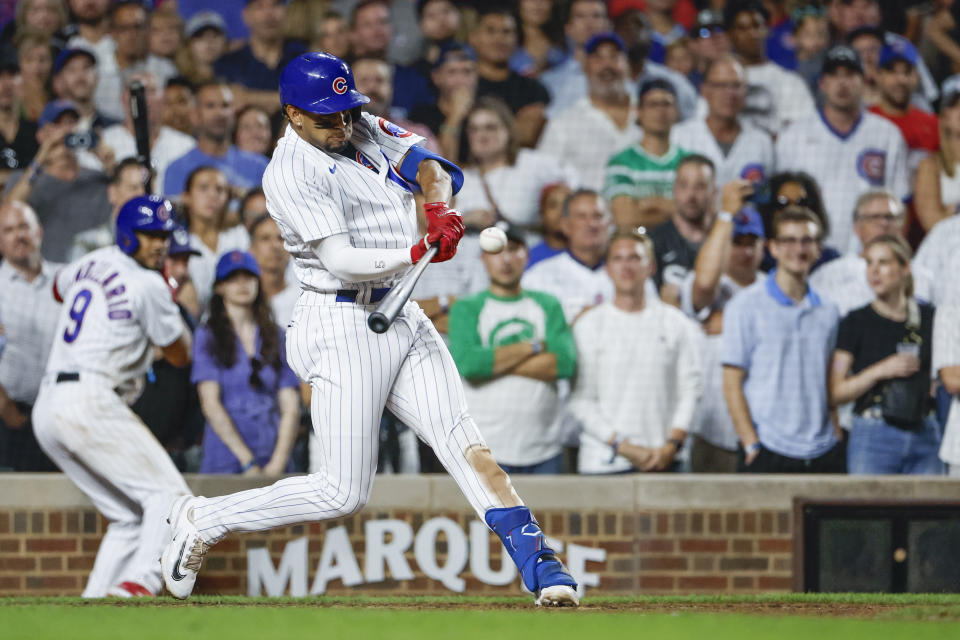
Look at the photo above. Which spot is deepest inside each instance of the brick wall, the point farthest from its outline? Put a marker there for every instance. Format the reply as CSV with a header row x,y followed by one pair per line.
x,y
50,552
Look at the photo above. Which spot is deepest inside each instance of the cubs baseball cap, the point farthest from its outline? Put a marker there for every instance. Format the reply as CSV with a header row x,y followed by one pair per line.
x,y
748,223
55,109
841,56
600,38
653,84
235,261
180,243
204,20
899,49
67,55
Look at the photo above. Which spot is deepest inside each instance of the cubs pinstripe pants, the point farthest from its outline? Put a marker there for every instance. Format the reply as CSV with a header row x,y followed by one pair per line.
x,y
354,373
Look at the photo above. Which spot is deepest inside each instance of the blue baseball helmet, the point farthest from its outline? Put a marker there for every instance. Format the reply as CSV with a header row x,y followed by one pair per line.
x,y
143,213
319,83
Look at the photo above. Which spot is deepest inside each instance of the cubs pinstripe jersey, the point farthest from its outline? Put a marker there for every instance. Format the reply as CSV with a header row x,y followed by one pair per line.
x,y
113,312
750,157
313,194
873,154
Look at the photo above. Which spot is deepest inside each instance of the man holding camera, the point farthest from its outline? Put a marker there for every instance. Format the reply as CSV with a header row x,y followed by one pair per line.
x,y
68,199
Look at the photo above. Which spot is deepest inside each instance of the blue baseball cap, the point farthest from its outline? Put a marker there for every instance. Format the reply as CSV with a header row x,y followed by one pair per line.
x,y
54,110
600,38
235,261
180,243
67,55
748,223
898,49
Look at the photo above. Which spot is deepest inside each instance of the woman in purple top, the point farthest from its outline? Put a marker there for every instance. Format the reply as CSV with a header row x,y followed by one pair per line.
x,y
248,394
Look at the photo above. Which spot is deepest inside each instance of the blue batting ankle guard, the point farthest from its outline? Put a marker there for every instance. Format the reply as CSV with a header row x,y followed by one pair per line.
x,y
524,541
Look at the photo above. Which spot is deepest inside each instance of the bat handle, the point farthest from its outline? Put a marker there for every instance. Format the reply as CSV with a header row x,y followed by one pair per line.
x,y
389,308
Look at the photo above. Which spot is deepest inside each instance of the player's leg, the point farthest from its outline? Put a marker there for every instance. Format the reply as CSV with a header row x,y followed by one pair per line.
x,y
428,396
119,543
350,370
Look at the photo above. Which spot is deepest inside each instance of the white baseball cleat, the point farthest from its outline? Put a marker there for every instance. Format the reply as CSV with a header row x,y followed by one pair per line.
x,y
559,595
183,555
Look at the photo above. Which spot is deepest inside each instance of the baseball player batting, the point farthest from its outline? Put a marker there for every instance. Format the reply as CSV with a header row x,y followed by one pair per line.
x,y
116,307
340,186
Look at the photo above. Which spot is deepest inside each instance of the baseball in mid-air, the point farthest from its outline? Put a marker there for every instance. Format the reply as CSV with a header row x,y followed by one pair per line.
x,y
493,240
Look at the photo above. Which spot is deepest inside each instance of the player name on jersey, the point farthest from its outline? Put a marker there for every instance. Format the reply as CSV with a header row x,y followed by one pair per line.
x,y
103,275
338,561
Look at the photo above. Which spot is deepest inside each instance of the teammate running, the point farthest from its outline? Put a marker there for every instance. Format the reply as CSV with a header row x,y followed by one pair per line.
x,y
117,306
340,186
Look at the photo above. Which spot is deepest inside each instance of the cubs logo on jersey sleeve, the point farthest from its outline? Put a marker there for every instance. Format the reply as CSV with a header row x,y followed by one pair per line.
x,y
393,130
363,160
871,165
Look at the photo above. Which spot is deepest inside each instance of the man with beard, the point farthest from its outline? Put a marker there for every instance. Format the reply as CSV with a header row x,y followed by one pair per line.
x,y
845,149
606,117
75,79
93,27
215,122
511,346
897,81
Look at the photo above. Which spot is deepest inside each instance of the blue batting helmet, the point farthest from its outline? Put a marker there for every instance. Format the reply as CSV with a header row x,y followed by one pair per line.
x,y
319,83
143,213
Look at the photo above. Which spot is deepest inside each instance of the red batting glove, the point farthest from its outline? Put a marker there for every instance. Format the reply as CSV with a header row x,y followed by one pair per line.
x,y
446,239
438,214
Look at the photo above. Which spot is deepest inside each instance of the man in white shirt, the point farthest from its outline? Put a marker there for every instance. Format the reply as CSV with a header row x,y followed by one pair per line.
x,y
844,281
639,373
775,96
29,322
934,255
566,82
596,126
576,277
736,147
846,149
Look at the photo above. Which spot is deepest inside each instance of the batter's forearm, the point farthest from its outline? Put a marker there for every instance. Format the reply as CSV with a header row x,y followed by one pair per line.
x,y
434,181
354,264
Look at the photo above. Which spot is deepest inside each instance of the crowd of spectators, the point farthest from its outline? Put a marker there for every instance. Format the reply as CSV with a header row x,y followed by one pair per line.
x,y
733,241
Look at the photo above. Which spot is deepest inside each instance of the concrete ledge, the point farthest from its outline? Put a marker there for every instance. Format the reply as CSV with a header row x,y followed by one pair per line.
x,y
637,493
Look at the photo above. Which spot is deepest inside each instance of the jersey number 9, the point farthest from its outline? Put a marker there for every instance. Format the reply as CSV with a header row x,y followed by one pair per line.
x,y
77,309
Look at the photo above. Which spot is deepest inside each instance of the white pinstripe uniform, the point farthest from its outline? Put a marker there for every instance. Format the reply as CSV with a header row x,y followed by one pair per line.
x,y
114,311
352,371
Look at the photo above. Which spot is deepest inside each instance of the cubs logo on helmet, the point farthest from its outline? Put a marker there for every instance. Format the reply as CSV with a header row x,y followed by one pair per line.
x,y
340,86
393,130
871,165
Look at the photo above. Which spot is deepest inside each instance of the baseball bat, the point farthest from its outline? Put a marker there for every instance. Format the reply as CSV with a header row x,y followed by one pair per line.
x,y
389,308
138,112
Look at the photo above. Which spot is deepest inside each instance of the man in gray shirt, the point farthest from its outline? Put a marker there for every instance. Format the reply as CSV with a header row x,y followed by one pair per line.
x,y
67,198
30,316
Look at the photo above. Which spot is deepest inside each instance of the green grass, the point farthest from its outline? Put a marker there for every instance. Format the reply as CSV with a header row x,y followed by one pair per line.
x,y
911,617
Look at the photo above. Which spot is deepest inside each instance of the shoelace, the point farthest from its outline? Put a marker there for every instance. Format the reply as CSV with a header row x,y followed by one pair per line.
x,y
195,557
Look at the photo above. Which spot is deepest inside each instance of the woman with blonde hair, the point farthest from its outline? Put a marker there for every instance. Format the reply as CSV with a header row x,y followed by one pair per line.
x,y
36,63
882,362
937,193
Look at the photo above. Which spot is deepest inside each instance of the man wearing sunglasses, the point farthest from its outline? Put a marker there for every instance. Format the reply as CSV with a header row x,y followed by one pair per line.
x,y
341,188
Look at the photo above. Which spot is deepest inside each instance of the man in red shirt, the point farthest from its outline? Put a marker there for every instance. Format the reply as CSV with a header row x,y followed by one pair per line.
x,y
897,80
